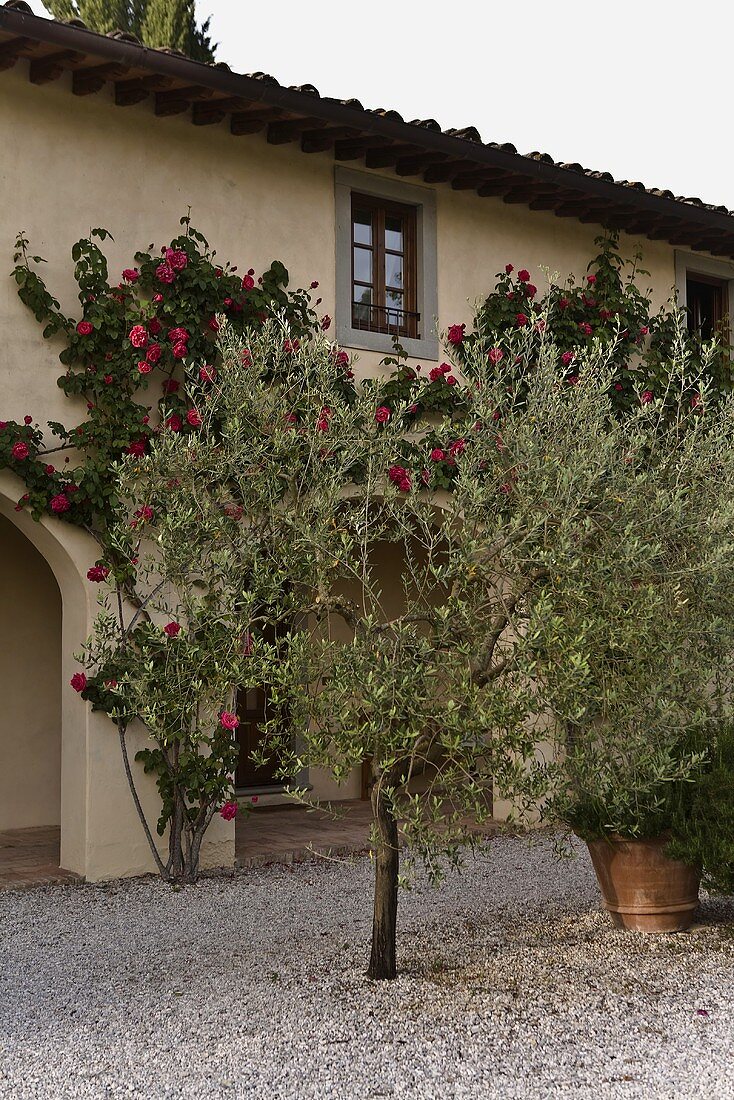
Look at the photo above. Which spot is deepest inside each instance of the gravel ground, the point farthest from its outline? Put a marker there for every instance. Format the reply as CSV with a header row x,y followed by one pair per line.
x,y
513,984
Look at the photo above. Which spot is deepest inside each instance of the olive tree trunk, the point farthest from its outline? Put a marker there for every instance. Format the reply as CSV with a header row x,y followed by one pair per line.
x,y
387,863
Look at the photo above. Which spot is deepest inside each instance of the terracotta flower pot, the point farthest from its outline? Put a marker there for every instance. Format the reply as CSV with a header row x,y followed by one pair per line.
x,y
643,890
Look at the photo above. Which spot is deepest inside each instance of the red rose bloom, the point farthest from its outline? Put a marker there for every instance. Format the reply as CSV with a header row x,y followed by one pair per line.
x,y
154,353
131,274
98,573
144,367
137,448
20,450
174,423
138,336
521,320
563,303
523,275
171,386
154,326
450,380
193,418
591,279
207,373
60,503
78,681
164,273
50,470
176,258
567,357
495,355
531,290
382,414
646,397
456,334
457,447
180,351
400,477
437,455
213,324
248,282
229,811
85,328
228,720
509,269
178,335
585,328
172,629
325,322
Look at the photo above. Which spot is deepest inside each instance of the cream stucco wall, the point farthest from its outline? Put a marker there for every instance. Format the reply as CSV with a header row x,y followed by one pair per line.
x,y
70,163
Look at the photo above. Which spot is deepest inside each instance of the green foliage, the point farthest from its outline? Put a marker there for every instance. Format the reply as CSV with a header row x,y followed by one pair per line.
x,y
111,375
157,23
702,824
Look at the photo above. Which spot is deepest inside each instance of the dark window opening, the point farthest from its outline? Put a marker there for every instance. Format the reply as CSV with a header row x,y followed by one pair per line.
x,y
384,267
706,301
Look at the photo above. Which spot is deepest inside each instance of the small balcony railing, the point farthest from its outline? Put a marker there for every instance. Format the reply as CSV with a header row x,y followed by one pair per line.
x,y
387,319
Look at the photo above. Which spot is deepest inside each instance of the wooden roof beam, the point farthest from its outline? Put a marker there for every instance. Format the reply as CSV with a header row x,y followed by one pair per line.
x,y
356,148
130,92
468,181
387,156
280,133
178,100
251,122
413,166
15,48
209,112
530,191
45,69
319,141
93,78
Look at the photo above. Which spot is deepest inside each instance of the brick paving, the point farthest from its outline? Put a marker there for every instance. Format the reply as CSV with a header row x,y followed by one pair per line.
x,y
30,857
272,834
288,834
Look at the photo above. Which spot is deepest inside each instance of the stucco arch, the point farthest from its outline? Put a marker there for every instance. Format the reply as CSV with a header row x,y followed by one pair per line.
x,y
66,551
30,685
101,836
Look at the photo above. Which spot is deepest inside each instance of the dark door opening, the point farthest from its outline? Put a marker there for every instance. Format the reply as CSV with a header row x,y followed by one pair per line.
x,y
252,704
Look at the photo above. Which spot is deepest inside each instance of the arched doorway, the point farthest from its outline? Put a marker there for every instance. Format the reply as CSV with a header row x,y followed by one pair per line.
x,y
30,685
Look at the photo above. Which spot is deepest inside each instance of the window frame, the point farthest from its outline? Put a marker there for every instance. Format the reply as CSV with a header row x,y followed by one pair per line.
x,y
689,265
389,192
380,210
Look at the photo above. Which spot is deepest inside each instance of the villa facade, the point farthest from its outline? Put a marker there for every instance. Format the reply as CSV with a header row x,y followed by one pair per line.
x,y
403,225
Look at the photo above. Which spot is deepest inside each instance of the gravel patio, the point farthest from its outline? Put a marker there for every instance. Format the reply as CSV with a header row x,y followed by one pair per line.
x,y
513,984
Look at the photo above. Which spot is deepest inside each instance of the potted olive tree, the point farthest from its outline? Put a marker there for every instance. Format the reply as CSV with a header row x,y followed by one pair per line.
x,y
652,736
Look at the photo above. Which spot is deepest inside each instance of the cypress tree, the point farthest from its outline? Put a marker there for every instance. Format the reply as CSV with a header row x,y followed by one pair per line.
x,y
167,23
